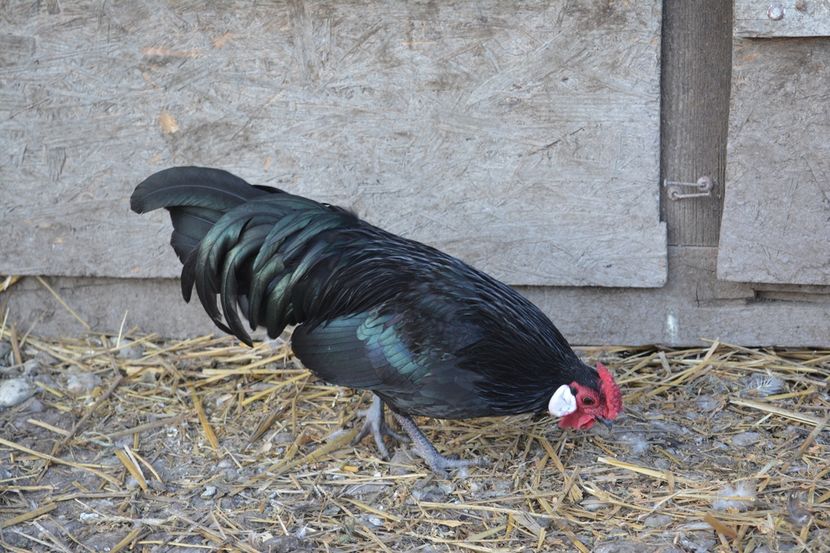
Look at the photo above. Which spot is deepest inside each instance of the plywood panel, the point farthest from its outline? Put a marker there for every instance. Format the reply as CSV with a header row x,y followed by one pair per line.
x,y
775,18
522,137
776,222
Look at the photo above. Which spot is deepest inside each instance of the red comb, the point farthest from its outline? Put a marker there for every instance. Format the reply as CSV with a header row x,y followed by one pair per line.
x,y
610,391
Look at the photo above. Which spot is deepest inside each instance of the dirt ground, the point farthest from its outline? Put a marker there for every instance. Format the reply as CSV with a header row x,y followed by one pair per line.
x,y
207,445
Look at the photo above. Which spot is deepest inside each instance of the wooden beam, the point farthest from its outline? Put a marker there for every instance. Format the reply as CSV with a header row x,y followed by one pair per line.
x,y
696,69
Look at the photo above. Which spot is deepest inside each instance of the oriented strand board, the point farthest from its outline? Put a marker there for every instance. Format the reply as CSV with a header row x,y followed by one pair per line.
x,y
782,18
522,137
776,222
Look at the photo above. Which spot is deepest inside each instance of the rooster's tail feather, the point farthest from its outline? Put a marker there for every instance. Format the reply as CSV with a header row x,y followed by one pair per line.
x,y
253,254
196,198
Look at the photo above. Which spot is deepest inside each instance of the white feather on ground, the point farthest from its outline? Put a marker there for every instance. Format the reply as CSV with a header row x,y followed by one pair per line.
x,y
738,496
763,385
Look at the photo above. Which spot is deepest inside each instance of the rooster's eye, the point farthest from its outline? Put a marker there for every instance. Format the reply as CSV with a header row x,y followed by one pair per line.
x,y
588,401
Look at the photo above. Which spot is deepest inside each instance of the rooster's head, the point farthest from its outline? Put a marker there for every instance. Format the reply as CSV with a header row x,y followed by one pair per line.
x,y
581,405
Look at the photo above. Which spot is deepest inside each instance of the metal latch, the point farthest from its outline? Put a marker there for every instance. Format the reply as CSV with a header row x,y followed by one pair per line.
x,y
704,187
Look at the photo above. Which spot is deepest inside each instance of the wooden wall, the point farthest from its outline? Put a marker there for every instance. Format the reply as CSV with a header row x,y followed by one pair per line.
x,y
522,137
696,75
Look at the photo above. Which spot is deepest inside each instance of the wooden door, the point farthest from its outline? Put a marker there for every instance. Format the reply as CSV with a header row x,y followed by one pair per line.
x,y
776,217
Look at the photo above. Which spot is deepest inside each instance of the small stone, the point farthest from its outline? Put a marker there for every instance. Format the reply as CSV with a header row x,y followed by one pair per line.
x,y
661,463
374,520
89,517
45,380
129,350
15,391
797,512
401,462
669,430
429,493
707,404
131,483
331,510
209,492
283,544
745,439
5,353
45,359
81,383
636,442
698,543
618,547
123,441
31,368
155,485
657,521
283,438
101,540
593,504
365,489
274,344
34,405
148,377
446,487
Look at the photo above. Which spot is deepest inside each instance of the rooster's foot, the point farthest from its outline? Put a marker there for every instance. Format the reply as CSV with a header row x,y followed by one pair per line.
x,y
375,424
424,448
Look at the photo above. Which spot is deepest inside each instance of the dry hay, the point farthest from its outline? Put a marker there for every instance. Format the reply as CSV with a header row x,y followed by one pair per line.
x,y
205,444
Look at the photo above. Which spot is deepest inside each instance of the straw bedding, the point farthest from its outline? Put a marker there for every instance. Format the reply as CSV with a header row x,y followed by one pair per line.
x,y
133,443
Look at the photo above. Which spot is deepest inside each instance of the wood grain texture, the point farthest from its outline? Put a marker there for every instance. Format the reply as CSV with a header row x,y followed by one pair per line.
x,y
693,306
522,137
696,67
776,223
798,18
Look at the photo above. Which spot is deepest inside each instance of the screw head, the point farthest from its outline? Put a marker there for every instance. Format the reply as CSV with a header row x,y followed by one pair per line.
x,y
705,183
775,12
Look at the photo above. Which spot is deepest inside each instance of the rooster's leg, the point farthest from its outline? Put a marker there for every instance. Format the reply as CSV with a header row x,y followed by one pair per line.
x,y
375,424
424,448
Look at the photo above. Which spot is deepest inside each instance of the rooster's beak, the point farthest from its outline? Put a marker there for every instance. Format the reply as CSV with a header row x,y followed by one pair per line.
x,y
608,424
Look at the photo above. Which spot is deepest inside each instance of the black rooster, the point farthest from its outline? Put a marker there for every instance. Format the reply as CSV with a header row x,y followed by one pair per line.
x,y
427,333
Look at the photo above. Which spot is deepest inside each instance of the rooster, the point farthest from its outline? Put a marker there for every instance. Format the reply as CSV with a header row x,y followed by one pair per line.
x,y
425,332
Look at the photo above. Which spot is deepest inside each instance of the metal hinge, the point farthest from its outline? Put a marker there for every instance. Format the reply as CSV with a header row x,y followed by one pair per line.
x,y
704,186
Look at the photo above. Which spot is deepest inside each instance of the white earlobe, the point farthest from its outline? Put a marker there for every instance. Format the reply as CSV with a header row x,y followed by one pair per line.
x,y
562,402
